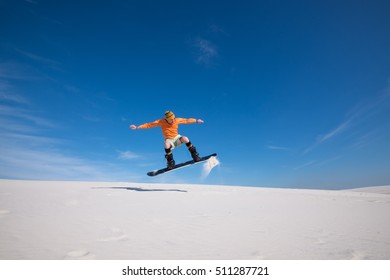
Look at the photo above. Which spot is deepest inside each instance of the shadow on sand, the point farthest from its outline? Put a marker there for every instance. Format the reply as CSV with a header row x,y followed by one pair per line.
x,y
141,189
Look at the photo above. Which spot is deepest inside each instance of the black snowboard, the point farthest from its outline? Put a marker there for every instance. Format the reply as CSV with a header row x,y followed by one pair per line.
x,y
180,165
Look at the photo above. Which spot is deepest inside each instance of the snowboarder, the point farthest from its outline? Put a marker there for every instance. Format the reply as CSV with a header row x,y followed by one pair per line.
x,y
169,126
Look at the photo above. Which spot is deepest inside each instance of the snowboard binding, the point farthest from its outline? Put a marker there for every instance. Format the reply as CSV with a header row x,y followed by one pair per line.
x,y
170,161
194,154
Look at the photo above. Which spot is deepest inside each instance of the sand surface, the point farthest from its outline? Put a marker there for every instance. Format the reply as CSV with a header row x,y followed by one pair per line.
x,y
113,221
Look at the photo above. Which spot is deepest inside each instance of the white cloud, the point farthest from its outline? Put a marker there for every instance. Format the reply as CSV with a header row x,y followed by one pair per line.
x,y
25,153
37,157
127,155
18,71
272,147
368,109
13,98
338,130
214,28
343,126
306,164
364,140
7,94
42,60
28,151
32,156
206,51
20,115
18,162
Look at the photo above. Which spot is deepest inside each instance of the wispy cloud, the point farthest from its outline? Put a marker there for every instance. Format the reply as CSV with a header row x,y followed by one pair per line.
x,y
336,131
42,163
25,154
316,163
362,141
279,148
127,155
363,111
26,116
343,126
7,95
40,59
14,98
20,71
205,51
306,164
28,155
215,28
28,149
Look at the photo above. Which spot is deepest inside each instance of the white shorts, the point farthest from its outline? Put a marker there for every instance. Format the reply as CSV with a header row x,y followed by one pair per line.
x,y
175,142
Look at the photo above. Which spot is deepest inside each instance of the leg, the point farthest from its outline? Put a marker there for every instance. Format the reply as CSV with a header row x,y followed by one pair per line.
x,y
185,140
191,148
169,155
167,145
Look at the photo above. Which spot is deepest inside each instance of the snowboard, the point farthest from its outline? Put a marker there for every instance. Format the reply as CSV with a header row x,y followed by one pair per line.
x,y
180,165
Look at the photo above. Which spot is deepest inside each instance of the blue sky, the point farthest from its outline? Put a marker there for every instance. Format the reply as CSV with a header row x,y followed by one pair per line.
x,y
293,93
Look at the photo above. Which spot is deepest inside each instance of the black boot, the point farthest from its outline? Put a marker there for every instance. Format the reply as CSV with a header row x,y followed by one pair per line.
x,y
170,161
194,154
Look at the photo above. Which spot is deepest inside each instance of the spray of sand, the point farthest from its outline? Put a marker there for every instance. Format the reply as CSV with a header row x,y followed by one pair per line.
x,y
209,165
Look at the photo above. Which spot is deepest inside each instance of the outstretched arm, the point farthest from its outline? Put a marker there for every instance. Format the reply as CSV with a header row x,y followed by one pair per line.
x,y
146,125
188,121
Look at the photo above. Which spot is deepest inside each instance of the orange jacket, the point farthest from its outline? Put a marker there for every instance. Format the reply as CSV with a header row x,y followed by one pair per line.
x,y
169,131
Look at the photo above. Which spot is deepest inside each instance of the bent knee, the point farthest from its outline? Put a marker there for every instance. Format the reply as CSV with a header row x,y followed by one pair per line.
x,y
184,139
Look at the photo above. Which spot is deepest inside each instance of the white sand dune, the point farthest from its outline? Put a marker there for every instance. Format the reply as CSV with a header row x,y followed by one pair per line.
x,y
102,220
